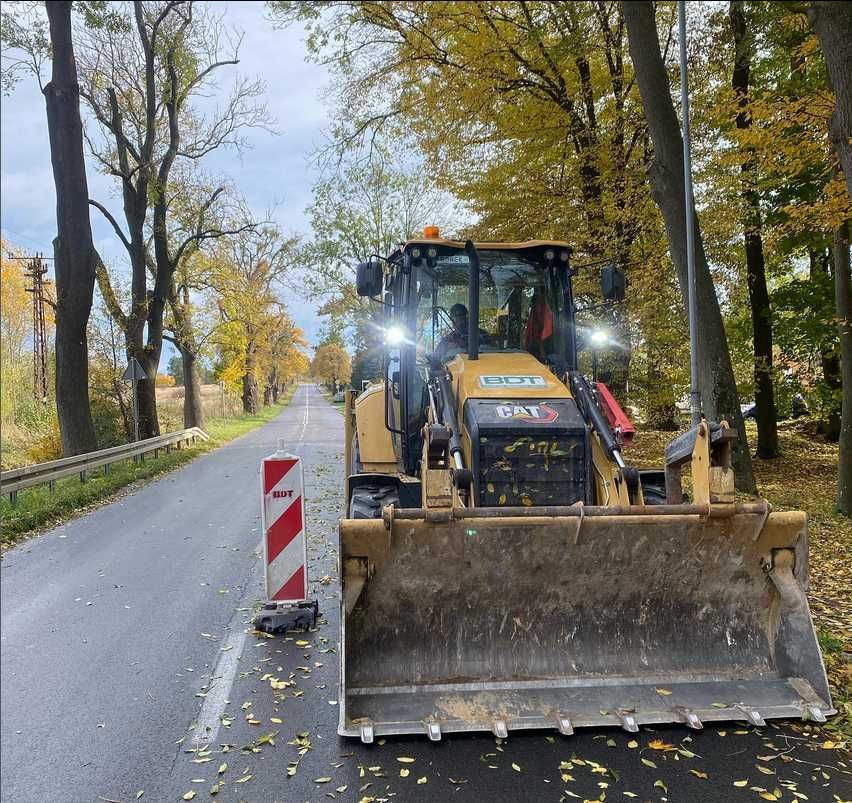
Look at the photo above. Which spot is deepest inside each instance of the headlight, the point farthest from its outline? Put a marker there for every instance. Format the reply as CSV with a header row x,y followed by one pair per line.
x,y
563,256
432,253
394,335
415,252
549,255
599,337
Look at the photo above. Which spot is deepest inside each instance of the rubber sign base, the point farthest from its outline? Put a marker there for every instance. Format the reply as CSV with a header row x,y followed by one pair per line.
x,y
279,617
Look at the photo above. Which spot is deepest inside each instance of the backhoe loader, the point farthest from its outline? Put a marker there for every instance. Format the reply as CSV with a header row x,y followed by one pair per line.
x,y
503,568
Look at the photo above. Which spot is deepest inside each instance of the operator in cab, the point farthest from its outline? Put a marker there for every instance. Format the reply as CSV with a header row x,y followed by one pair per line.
x,y
456,338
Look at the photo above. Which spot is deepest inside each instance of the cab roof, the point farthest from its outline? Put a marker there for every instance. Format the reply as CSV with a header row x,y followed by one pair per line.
x,y
436,241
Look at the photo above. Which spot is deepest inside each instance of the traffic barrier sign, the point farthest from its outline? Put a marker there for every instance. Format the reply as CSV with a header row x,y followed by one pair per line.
x,y
285,552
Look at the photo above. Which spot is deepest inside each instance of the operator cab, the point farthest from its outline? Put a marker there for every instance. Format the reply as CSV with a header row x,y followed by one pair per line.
x,y
524,305
521,298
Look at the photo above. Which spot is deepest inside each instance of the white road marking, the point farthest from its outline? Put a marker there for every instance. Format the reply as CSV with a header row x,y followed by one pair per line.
x,y
210,717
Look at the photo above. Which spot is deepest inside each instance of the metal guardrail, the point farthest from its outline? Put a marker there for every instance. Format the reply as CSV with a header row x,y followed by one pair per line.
x,y
17,479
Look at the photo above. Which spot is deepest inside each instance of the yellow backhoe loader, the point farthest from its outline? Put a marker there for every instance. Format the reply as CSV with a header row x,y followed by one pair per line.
x,y
502,568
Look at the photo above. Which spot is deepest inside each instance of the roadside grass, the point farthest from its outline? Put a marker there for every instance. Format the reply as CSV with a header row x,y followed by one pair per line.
x,y
329,397
804,477
39,509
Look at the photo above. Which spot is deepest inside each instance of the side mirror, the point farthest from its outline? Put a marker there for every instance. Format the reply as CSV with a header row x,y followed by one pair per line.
x,y
613,283
368,279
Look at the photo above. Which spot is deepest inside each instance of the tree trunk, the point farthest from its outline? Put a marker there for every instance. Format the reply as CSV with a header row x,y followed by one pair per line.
x,y
843,306
715,374
832,23
74,253
193,414
251,401
149,423
761,312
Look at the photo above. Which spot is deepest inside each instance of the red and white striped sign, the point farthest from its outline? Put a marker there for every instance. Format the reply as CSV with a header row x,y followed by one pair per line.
x,y
285,551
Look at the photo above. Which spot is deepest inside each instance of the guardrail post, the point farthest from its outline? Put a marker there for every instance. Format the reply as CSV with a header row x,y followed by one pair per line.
x,y
52,486
13,498
107,467
84,475
156,453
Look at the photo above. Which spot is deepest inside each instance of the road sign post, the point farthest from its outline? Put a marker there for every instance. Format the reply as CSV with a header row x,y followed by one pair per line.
x,y
133,373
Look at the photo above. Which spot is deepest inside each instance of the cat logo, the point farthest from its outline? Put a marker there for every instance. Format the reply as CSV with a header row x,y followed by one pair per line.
x,y
531,413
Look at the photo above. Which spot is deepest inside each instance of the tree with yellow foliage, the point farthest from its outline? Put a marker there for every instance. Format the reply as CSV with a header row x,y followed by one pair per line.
x,y
332,365
246,274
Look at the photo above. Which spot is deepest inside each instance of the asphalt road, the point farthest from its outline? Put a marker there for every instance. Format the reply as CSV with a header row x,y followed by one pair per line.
x,y
128,667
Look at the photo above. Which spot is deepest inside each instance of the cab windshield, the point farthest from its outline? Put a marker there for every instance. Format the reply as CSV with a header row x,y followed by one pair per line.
x,y
519,304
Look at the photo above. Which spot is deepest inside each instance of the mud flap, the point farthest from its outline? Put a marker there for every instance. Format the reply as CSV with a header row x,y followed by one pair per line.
x,y
621,617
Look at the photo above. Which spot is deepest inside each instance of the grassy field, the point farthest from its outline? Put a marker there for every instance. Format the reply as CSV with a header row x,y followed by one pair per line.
x,y
38,508
804,478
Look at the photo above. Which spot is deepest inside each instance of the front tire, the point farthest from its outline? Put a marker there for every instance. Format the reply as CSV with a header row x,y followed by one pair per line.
x,y
367,501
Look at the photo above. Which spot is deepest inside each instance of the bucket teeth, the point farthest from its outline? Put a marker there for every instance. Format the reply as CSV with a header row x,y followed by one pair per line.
x,y
433,731
752,715
498,728
689,716
628,722
813,713
565,726
367,734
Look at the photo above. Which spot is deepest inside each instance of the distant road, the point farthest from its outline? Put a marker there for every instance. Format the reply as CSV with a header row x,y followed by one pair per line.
x,y
126,666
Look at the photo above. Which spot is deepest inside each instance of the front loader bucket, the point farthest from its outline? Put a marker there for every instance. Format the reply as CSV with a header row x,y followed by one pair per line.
x,y
497,619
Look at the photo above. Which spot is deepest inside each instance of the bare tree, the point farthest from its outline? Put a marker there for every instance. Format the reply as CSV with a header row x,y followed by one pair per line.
x,y
139,81
715,373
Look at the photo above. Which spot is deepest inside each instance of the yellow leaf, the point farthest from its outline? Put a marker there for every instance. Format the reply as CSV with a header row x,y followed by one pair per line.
x,y
633,744
660,785
303,643
403,773
243,779
768,796
405,759
222,767
276,720
664,692
764,770
630,794
189,795
659,744
741,783
699,774
828,745
648,763
421,781
516,768
321,780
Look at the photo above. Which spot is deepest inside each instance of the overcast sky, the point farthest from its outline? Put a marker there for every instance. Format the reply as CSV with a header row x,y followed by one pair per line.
x,y
275,171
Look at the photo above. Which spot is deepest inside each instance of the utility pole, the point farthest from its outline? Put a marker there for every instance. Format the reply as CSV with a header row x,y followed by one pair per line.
x,y
35,272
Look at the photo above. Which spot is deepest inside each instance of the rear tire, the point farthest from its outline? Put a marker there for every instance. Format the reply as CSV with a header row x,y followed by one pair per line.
x,y
367,501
